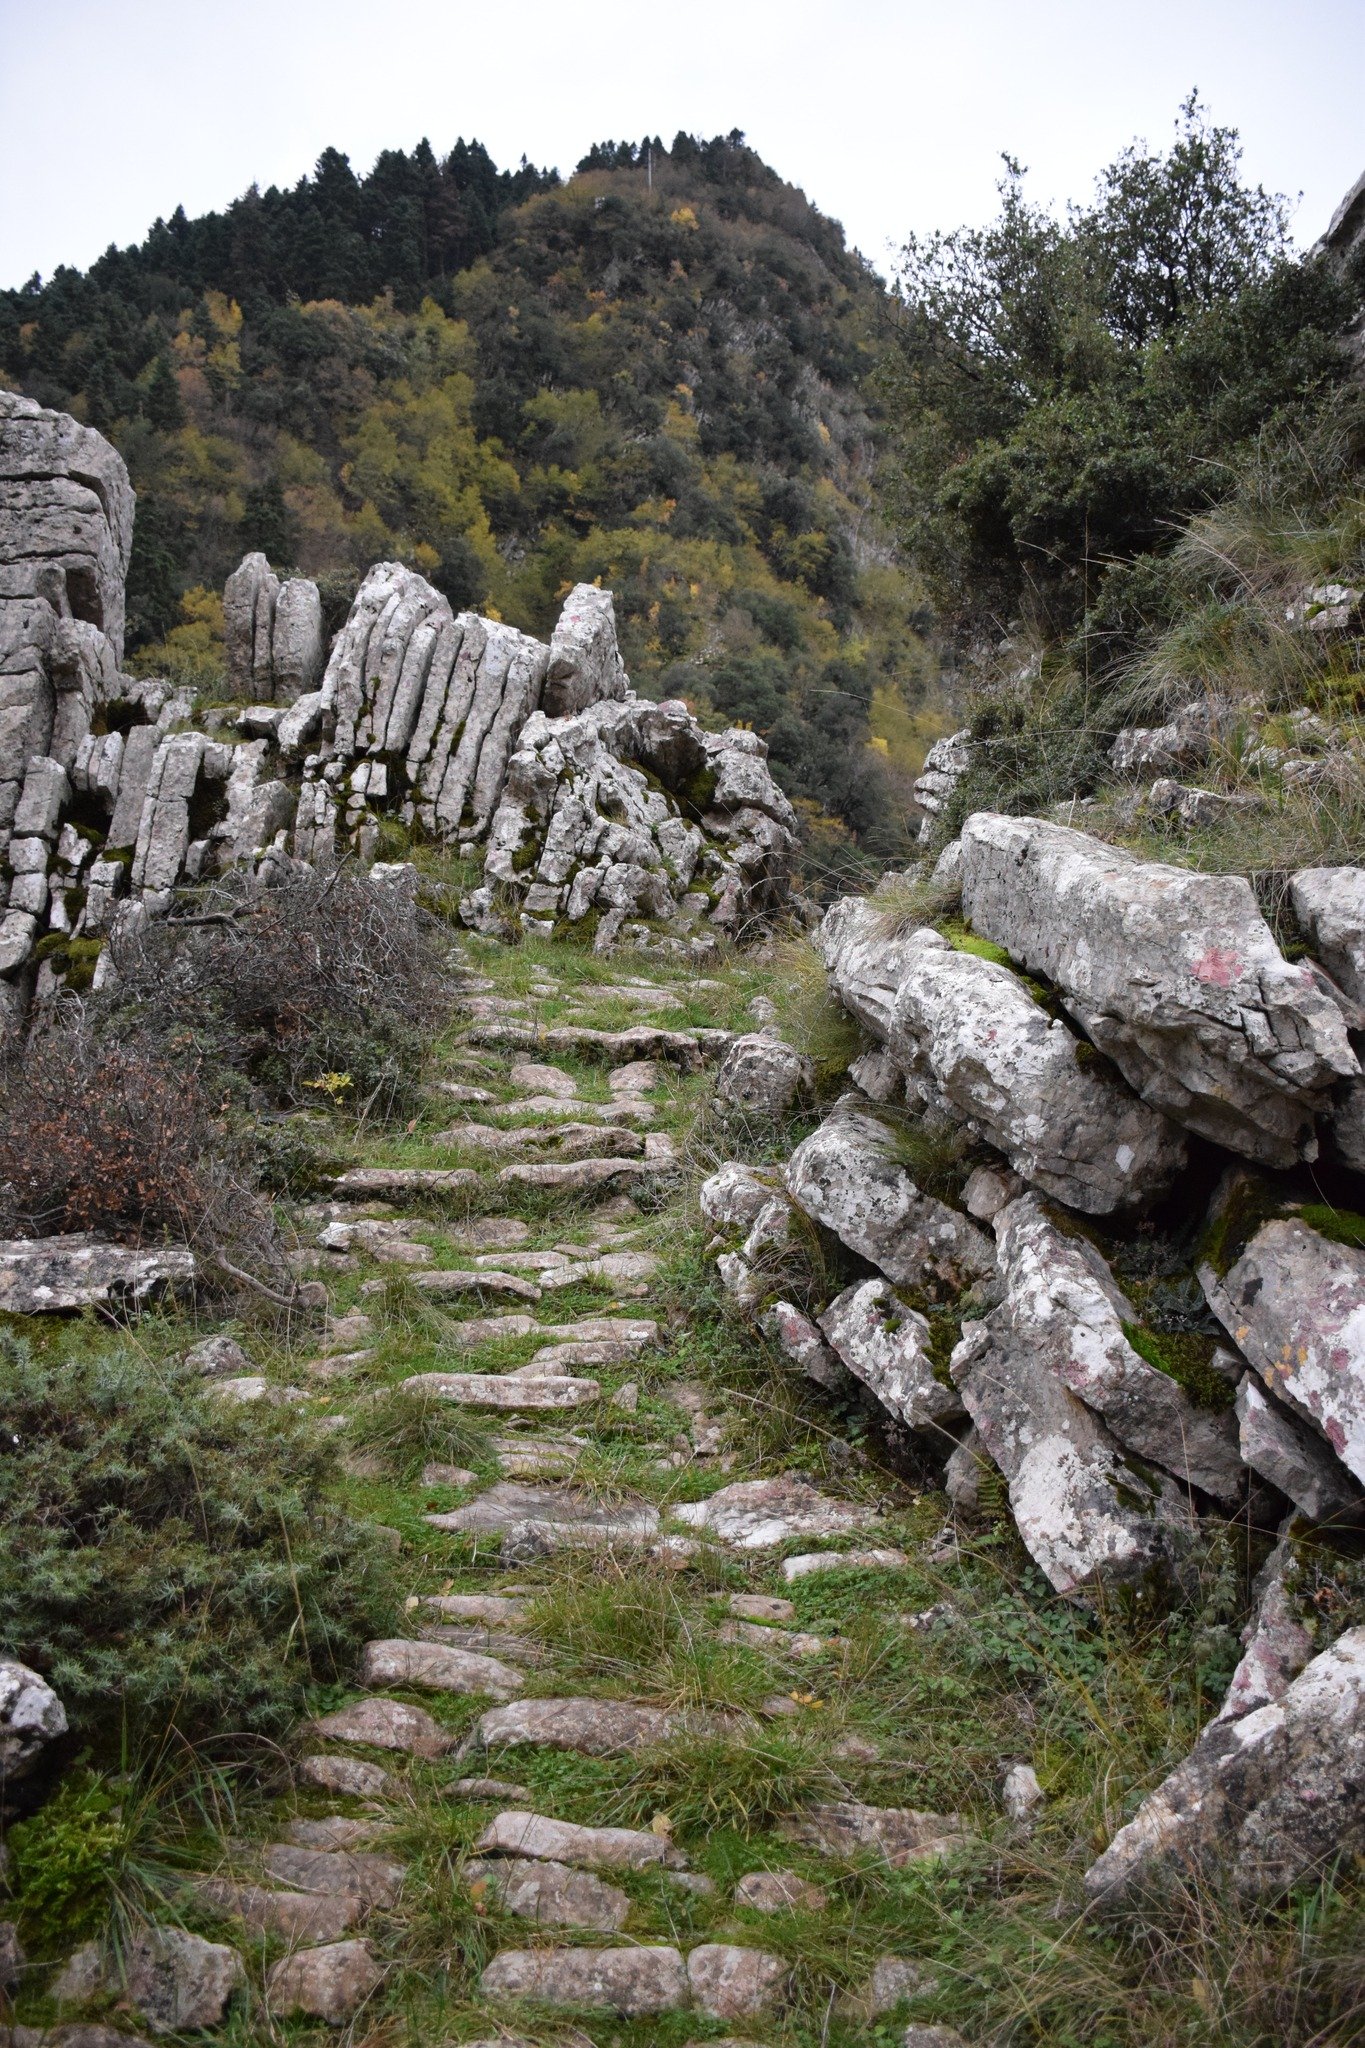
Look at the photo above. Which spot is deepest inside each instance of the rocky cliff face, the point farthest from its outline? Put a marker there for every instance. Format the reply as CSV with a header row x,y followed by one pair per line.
x,y
595,804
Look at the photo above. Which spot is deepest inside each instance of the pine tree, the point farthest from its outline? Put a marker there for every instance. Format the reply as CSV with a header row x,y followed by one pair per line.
x,y
162,404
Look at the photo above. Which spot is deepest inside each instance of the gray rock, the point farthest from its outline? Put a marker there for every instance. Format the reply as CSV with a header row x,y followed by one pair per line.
x,y
437,1667
298,649
1293,1303
917,2036
549,1893
1021,1794
139,752
293,1916
945,764
1270,1798
32,1718
329,1983
897,1834
888,1346
1293,1458
732,1983
800,1341
764,1077
585,663
550,1517
1330,905
1087,1514
335,1873
732,1196
387,1724
847,1177
346,1774
178,1982
1275,1643
779,1891
978,1046
966,1467
889,1560
163,833
386,1183
547,1393
1173,973
585,1727
1063,1306
1161,749
219,1358
758,1514
867,959
66,516
537,1835
249,599
633,1982
337,1831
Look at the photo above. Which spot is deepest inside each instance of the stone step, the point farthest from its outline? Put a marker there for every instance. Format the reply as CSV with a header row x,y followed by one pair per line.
x,y
559,1841
446,1283
566,1140
549,1517
336,1831
494,1610
577,1175
794,1568
625,1271
630,1334
335,1873
689,1050
551,1894
383,1183
293,1916
507,1393
349,1775
758,1514
595,1727
900,1835
386,1724
438,1667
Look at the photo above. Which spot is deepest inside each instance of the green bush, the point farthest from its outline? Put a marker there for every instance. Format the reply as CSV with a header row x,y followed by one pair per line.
x,y
170,1560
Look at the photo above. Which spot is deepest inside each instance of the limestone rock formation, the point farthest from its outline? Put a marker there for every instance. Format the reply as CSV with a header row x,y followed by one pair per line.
x,y
1174,974
888,1346
1294,1303
1270,1798
945,764
43,1275
762,1076
847,1177
32,1718
585,664
66,518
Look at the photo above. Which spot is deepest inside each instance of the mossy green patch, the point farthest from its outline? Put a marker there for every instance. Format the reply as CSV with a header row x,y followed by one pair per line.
x,y
1184,1355
1338,1226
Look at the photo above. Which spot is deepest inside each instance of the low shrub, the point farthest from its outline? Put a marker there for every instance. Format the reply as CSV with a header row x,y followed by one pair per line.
x,y
295,981
169,1560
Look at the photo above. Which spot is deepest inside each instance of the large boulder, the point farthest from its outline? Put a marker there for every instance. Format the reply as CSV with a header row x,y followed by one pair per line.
x,y
847,1177
867,959
1294,1302
1330,905
47,1275
1174,974
978,1044
1062,1302
1270,1798
249,599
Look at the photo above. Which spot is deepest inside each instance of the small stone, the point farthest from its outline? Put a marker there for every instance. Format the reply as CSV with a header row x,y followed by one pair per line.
x,y
508,1393
177,1981
387,1724
487,1788
764,1078
758,1514
733,1983
337,1831
531,1078
494,1233
761,1607
294,1916
794,1568
549,1893
916,2036
347,1774
893,1978
1021,1792
219,1358
448,1475
627,1398
437,1667
779,1891
330,1983
634,1982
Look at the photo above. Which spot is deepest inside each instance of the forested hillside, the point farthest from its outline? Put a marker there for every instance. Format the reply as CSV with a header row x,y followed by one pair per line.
x,y
655,374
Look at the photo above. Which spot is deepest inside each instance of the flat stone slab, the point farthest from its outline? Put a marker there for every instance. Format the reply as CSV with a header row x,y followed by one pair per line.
x,y
561,1841
898,1834
553,1515
758,1514
350,1775
779,1891
438,1667
549,1893
761,1607
387,1724
507,1394
338,1831
330,1983
452,1281
499,1789
587,1727
576,1175
497,1610
686,1049
618,1268
335,1873
629,1333
382,1183
294,1916
633,1982
733,1983
55,1275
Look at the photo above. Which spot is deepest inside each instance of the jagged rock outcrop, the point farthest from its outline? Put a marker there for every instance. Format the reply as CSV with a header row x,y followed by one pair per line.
x,y
272,632
585,664
630,810
1294,1303
846,1176
1174,974
1270,1798
66,518
976,1044
945,764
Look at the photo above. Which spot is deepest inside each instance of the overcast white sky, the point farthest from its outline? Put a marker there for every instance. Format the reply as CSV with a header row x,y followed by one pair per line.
x,y
892,114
